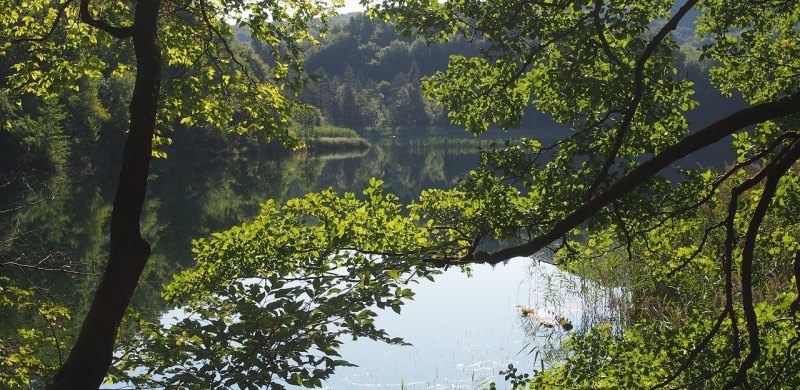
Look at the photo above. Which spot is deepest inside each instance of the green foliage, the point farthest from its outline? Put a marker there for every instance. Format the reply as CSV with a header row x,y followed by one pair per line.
x,y
306,120
221,81
707,256
269,301
209,81
756,48
710,257
24,351
51,48
65,132
548,54
372,75
518,380
675,310
35,138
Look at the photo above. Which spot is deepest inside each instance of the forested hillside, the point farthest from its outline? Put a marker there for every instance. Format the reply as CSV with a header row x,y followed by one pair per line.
x,y
625,182
370,77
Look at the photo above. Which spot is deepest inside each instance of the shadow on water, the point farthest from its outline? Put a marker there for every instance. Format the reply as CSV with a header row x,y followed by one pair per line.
x,y
464,330
63,217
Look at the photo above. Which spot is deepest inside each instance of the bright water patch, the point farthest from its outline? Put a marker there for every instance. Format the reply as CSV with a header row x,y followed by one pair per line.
x,y
464,330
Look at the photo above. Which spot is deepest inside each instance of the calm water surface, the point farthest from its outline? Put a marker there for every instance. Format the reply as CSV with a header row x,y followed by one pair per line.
x,y
463,330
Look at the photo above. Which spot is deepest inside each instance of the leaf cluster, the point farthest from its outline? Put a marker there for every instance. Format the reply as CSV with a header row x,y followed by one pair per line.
x,y
270,301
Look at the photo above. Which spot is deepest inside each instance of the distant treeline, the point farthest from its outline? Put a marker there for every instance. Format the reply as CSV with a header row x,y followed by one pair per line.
x,y
370,80
372,76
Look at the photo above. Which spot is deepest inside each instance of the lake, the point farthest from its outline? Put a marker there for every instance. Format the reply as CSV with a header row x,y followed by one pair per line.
x,y
464,330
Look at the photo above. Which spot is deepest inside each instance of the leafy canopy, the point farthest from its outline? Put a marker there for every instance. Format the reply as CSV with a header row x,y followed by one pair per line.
x,y
606,69
602,196
272,300
209,78
713,253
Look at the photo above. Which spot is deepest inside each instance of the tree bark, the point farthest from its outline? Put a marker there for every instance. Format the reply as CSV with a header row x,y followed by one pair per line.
x,y
91,356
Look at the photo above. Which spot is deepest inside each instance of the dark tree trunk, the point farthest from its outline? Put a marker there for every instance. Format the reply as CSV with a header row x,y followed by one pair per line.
x,y
90,358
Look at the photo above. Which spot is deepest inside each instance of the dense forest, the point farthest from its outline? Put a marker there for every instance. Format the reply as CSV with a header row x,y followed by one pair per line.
x,y
371,75
628,95
369,80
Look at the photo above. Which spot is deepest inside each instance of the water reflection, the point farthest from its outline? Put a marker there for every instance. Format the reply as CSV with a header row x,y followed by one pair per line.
x,y
464,330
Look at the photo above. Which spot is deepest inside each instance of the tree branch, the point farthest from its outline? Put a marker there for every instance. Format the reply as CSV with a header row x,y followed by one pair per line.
x,y
796,268
115,31
788,357
224,41
695,352
61,10
638,92
691,143
775,172
40,267
730,243
696,252
601,36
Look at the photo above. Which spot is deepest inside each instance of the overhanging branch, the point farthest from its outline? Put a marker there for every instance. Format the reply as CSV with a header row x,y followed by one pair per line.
x,y
59,15
796,270
692,143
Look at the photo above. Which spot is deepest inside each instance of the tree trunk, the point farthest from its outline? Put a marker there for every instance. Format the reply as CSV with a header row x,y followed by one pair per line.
x,y
91,357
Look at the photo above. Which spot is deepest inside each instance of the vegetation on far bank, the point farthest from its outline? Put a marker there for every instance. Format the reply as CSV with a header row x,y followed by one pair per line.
x,y
711,257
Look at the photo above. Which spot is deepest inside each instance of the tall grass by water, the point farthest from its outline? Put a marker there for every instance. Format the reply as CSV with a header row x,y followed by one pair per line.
x,y
330,131
332,144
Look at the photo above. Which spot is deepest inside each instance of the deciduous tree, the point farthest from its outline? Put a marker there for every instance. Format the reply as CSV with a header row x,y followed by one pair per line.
x,y
606,69
187,69
717,248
